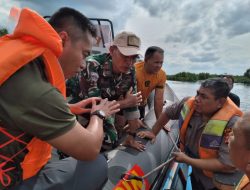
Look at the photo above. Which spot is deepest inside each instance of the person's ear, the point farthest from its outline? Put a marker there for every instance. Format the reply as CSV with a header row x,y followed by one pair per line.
x,y
221,102
248,168
64,36
111,50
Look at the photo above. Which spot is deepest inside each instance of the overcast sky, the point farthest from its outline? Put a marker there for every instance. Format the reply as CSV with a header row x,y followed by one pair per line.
x,y
197,35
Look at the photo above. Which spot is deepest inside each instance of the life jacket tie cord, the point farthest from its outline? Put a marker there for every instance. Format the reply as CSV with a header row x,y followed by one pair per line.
x,y
4,177
3,174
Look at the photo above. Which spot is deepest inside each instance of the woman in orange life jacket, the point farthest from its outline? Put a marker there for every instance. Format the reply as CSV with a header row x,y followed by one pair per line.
x,y
203,120
239,149
34,115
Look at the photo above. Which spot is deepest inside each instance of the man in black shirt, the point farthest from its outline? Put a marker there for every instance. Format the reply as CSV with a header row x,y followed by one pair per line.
x,y
230,81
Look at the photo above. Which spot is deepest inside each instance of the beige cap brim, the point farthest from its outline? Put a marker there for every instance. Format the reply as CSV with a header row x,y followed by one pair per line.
x,y
128,51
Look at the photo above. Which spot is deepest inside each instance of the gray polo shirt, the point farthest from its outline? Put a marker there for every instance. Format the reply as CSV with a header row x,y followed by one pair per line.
x,y
193,134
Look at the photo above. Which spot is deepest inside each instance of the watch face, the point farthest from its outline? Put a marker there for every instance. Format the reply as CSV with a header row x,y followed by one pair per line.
x,y
102,113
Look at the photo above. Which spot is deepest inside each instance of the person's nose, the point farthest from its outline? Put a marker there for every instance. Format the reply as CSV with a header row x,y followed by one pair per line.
x,y
197,98
83,64
159,65
129,60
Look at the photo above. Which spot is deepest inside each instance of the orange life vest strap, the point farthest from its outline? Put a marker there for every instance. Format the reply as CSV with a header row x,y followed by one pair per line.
x,y
4,177
243,183
183,129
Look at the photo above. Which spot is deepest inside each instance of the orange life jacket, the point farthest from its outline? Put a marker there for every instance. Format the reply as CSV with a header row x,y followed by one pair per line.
x,y
32,37
212,134
243,183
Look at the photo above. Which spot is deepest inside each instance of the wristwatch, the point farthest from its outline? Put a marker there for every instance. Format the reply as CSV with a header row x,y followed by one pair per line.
x,y
101,114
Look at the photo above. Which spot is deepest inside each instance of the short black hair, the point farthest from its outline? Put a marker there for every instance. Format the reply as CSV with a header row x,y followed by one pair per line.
x,y
219,87
151,50
229,77
71,20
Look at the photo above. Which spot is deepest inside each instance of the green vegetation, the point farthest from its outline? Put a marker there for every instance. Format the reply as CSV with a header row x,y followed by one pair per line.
x,y
192,77
247,73
3,31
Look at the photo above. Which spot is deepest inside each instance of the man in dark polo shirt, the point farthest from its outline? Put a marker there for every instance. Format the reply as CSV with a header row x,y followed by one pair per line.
x,y
230,81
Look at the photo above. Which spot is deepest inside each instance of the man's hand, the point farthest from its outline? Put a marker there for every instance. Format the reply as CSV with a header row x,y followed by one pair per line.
x,y
181,157
79,107
130,141
133,99
133,125
147,134
109,108
211,164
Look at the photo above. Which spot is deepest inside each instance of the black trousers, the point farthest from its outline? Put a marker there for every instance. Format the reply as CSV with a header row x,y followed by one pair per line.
x,y
142,111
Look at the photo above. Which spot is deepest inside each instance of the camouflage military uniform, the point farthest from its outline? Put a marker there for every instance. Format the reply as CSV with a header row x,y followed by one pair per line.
x,y
98,80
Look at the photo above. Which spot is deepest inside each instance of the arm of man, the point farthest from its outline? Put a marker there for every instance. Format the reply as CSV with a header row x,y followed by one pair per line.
x,y
223,155
213,165
163,120
160,123
171,112
158,101
159,93
47,116
81,143
75,142
41,111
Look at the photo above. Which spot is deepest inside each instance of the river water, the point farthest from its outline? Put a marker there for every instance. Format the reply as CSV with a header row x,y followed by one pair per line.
x,y
183,89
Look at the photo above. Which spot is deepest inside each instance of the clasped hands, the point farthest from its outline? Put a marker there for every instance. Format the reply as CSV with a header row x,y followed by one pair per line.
x,y
108,107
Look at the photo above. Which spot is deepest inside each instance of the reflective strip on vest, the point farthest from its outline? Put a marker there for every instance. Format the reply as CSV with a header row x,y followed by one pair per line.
x,y
243,183
212,134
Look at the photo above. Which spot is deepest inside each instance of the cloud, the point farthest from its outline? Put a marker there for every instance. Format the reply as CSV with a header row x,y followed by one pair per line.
x,y
158,8
197,35
235,18
187,35
202,57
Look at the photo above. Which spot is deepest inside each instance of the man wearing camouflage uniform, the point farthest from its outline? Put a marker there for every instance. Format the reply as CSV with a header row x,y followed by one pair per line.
x,y
112,75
